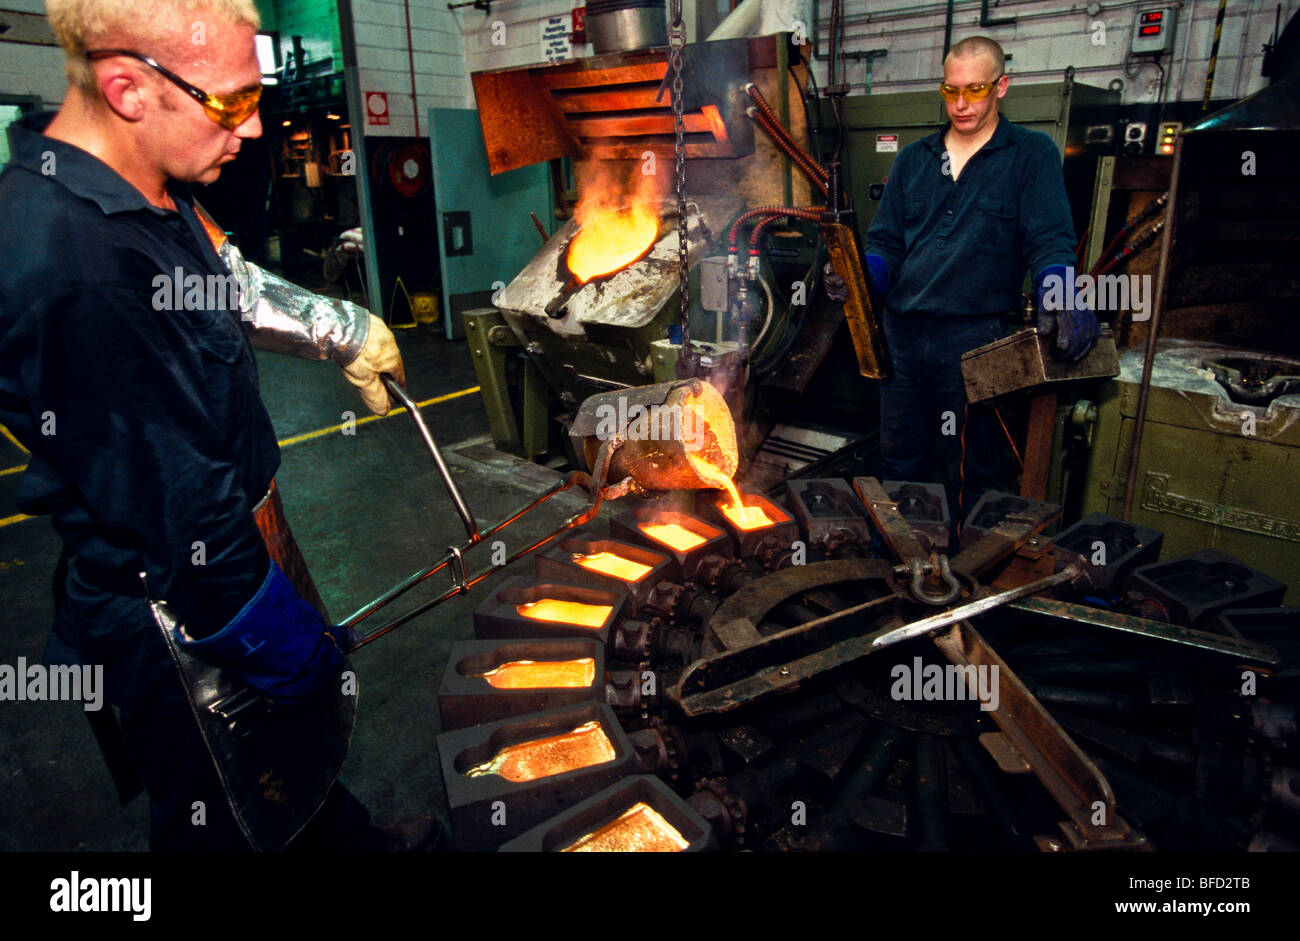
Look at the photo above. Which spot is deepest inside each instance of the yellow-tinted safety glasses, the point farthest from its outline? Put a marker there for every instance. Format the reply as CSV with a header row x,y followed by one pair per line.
x,y
229,111
973,93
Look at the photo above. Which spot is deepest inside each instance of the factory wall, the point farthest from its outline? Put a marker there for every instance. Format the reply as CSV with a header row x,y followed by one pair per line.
x,y
512,34
1046,37
32,70
384,63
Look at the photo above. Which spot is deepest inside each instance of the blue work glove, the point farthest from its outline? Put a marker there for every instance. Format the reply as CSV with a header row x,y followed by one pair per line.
x,y
1060,311
277,642
877,271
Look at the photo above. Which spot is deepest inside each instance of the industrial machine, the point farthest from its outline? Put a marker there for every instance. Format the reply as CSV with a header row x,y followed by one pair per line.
x,y
709,668
1196,437
598,308
710,658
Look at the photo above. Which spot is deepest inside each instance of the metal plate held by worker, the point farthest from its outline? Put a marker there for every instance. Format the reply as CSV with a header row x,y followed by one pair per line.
x,y
276,766
1025,360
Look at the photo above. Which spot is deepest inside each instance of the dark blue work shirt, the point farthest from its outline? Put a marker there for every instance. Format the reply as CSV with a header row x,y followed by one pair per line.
x,y
961,248
150,443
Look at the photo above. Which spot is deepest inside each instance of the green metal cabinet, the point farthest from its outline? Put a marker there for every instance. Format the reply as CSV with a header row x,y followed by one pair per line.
x,y
1203,480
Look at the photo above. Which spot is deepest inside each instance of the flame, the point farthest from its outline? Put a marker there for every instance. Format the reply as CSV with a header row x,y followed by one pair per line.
x,y
565,612
639,829
583,747
673,534
618,221
533,674
608,563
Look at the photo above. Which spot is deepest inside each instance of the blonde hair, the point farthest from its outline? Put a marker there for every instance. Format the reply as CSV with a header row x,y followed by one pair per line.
x,y
84,24
979,45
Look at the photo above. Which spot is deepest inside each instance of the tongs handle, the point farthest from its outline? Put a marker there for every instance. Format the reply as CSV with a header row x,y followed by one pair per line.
x,y
466,517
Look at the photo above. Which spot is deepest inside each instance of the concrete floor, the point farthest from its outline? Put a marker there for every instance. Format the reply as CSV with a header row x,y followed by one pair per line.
x,y
367,510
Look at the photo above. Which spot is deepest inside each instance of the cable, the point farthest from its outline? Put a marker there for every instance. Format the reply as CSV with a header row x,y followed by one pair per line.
x,y
773,126
734,234
767,321
797,155
1011,440
793,328
821,125
961,490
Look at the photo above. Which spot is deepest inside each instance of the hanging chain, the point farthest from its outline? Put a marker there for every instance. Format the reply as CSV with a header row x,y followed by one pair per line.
x,y
676,40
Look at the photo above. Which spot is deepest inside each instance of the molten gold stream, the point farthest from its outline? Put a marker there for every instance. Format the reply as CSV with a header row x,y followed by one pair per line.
x,y
639,829
583,747
534,674
746,517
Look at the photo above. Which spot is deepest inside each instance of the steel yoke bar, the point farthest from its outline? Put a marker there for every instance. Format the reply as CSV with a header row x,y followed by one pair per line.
x,y
1242,651
1065,771
972,608
893,528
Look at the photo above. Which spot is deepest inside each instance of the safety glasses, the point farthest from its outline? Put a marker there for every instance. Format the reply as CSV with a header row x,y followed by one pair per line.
x,y
229,111
977,92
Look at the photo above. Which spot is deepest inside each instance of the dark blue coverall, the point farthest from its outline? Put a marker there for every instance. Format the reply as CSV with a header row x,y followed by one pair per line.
x,y
957,253
148,436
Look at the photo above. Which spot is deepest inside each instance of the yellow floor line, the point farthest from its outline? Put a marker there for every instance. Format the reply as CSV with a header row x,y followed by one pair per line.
x,y
321,432
9,436
296,439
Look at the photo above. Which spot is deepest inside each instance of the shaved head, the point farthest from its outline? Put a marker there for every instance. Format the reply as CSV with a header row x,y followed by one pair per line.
x,y
978,46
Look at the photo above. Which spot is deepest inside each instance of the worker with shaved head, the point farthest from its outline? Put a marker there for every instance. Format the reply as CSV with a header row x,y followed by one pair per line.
x,y
965,213
134,386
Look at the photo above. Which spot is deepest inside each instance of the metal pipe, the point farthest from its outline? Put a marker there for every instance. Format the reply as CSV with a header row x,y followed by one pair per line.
x,y
931,793
410,58
986,21
1148,360
1214,55
947,29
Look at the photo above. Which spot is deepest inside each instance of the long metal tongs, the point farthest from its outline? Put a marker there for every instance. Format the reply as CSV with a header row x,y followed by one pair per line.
x,y
461,580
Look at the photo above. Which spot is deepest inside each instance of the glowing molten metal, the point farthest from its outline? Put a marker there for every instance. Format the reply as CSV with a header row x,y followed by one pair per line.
x,y
639,829
565,612
533,674
618,220
674,535
585,746
611,239
608,563
745,517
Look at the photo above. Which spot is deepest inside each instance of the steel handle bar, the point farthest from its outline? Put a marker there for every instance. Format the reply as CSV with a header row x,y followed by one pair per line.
x,y
593,484
471,526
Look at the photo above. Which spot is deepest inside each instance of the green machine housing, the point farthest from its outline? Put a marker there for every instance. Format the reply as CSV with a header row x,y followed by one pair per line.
x,y
1219,464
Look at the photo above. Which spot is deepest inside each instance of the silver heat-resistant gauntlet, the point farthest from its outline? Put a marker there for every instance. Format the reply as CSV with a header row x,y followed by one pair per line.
x,y
284,318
